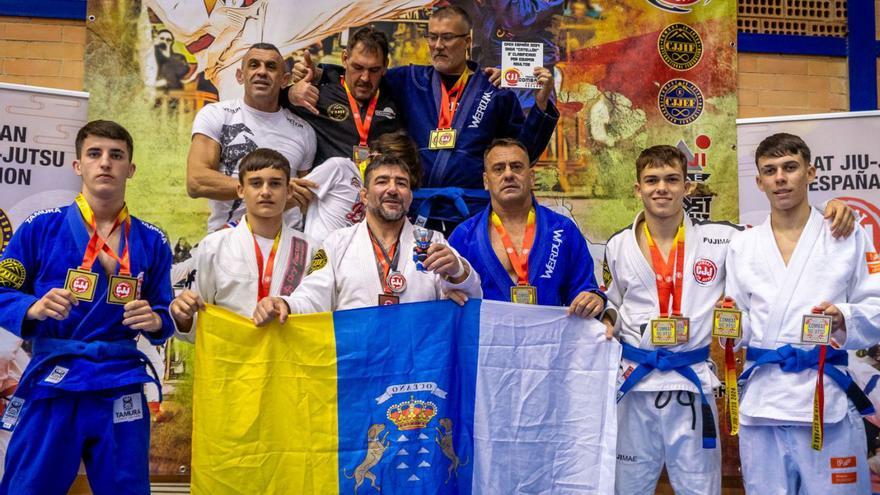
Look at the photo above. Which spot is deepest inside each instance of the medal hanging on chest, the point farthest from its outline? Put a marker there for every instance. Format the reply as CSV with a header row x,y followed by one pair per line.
x,y
522,292
82,281
361,151
393,282
444,136
671,328
264,276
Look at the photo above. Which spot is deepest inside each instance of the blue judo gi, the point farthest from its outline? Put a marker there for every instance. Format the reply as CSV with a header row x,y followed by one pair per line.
x,y
560,265
484,113
81,396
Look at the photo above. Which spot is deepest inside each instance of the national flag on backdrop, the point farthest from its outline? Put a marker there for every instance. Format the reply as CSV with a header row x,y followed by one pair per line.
x,y
417,398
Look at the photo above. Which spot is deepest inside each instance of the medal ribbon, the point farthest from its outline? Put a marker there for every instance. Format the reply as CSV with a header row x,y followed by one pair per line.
x,y
520,262
731,388
363,126
449,100
97,244
818,432
385,263
668,278
264,281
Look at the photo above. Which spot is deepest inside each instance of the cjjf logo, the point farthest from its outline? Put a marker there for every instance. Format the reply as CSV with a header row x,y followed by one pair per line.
x,y
677,6
122,290
80,285
512,76
680,101
705,271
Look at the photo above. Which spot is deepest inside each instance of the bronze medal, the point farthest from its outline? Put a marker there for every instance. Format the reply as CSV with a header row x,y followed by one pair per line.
x,y
682,329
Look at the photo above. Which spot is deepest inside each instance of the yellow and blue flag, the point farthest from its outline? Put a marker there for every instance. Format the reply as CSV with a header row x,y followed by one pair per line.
x,y
417,398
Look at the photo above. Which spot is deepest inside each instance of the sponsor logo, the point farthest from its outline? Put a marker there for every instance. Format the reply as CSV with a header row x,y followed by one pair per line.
x,y
337,112
12,413
627,458
387,113
80,285
41,212
705,271
122,290
155,229
713,240
680,46
677,6
318,261
512,76
844,478
56,375
12,273
128,408
869,218
680,101
481,109
554,254
356,215
843,462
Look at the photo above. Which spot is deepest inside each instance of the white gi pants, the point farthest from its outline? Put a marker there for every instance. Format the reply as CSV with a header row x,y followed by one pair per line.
x,y
654,428
779,460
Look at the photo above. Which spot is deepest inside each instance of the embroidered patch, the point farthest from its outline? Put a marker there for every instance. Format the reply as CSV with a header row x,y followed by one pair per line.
x,y
5,230
128,408
12,413
844,478
606,274
705,271
318,261
56,375
843,462
337,112
12,273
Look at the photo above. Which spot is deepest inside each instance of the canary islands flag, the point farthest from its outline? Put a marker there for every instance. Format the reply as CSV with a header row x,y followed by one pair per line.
x,y
430,397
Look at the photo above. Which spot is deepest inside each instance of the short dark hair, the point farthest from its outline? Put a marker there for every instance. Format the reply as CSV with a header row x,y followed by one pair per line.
x,y
660,155
105,129
782,144
450,11
504,142
388,161
398,145
372,39
261,46
165,31
262,158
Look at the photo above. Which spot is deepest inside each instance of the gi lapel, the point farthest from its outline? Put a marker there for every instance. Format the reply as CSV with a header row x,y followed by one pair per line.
x,y
790,275
497,273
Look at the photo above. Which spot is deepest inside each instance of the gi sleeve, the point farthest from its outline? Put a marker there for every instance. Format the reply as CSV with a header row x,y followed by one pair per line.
x,y
613,292
470,286
204,285
18,268
581,270
157,291
311,146
736,288
861,311
317,291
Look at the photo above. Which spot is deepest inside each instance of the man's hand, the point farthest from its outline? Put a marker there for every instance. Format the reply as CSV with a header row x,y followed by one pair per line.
x,y
586,305
844,218
442,260
301,69
304,93
838,323
608,321
270,308
494,75
302,193
458,296
545,79
184,307
54,304
725,302
139,315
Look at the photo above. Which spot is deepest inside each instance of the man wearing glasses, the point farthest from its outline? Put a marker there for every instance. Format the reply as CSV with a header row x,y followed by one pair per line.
x,y
453,112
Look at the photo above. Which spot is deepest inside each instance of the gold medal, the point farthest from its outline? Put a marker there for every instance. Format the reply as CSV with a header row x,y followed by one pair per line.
x,y
816,329
682,329
122,290
360,153
81,283
442,139
727,323
663,331
524,294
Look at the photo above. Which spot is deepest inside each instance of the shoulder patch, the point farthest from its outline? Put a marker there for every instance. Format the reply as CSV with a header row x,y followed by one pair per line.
x,y
319,260
5,230
606,273
12,273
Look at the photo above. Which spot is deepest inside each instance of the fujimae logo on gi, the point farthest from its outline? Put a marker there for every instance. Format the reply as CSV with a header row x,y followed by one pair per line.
x,y
402,451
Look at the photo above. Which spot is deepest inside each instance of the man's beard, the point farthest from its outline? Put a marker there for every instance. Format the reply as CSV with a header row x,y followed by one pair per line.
x,y
388,216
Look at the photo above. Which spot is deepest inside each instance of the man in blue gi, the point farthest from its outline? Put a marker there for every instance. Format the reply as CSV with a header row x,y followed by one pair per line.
x,y
82,282
525,252
453,111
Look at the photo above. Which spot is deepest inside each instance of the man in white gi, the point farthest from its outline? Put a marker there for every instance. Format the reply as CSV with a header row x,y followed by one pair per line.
x,y
224,132
372,263
258,257
800,289
663,275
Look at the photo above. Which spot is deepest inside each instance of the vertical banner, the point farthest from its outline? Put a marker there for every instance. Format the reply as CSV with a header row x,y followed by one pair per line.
x,y
628,74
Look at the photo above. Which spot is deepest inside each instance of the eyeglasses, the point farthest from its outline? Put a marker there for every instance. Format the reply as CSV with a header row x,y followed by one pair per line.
x,y
432,38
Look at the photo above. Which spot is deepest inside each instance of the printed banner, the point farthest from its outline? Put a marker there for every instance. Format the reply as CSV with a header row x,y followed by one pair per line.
x,y
333,403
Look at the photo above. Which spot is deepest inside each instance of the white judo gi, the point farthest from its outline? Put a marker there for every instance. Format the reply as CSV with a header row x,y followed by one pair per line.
x,y
226,268
661,419
344,275
777,406
337,202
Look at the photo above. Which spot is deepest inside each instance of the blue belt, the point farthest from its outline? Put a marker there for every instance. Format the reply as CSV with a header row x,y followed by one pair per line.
x,y
680,362
455,195
47,351
792,360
